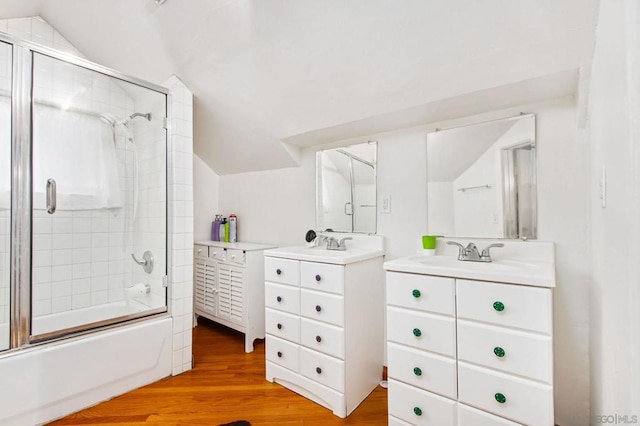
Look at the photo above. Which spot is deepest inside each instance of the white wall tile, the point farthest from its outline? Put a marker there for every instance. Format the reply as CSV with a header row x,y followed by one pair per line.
x,y
60,304
79,301
62,257
61,289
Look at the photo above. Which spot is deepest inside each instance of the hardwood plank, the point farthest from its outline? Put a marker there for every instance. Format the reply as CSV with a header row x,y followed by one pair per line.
x,y
225,385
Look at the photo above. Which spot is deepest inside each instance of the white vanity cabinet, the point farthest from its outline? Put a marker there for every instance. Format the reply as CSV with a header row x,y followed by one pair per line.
x,y
229,286
468,352
324,326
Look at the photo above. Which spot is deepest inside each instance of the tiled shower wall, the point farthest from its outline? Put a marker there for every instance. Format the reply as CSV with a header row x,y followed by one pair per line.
x,y
78,258
150,219
181,222
99,232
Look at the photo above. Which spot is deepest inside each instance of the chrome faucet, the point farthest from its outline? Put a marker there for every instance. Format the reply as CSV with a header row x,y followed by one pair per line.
x,y
334,244
320,239
470,252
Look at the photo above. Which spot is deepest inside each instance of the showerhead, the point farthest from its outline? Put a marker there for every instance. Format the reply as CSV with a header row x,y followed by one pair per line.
x,y
139,114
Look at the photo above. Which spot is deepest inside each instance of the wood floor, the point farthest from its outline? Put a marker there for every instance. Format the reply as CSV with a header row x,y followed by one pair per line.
x,y
225,385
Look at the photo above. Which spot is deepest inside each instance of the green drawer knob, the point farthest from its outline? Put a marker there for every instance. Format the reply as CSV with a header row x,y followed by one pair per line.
x,y
498,351
500,398
417,332
417,371
498,306
416,293
417,411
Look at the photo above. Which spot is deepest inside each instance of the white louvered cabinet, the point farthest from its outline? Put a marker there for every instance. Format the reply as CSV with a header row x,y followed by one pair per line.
x,y
229,286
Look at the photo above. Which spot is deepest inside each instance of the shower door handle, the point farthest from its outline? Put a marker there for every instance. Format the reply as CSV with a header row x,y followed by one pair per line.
x,y
51,196
348,208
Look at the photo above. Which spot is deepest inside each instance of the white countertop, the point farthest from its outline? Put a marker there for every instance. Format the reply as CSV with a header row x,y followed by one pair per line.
x,y
237,246
527,263
322,255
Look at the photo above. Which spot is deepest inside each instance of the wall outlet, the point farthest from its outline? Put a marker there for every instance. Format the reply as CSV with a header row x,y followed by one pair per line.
x,y
385,204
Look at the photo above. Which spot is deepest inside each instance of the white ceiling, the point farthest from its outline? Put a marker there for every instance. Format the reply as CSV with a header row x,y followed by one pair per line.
x,y
273,76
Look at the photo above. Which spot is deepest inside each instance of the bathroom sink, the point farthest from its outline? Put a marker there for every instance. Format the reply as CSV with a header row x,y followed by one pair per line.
x,y
321,254
453,262
537,273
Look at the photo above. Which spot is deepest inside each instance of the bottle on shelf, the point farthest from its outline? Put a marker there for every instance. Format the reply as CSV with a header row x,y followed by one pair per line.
x,y
223,228
215,229
233,228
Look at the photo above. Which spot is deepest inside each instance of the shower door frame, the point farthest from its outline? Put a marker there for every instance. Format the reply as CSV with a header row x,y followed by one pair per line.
x,y
21,244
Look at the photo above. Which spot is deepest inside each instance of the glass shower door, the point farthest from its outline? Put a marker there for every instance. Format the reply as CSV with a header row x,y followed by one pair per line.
x,y
5,190
364,197
98,199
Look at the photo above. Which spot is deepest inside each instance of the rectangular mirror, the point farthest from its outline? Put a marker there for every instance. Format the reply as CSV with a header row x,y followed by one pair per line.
x,y
346,189
481,180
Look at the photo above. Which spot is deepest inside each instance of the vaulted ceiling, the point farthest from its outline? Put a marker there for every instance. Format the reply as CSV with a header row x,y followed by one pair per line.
x,y
271,77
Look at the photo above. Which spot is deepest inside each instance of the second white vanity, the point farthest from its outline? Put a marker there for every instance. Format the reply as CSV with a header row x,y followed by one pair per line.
x,y
471,343
324,322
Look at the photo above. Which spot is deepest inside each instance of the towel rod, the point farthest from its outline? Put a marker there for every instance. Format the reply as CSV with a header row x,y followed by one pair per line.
x,y
487,186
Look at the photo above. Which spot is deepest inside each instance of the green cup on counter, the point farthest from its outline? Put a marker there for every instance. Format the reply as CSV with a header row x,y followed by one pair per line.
x,y
429,244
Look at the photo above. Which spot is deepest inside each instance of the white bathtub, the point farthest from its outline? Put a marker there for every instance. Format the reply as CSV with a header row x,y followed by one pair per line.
x,y
46,382
93,314
4,335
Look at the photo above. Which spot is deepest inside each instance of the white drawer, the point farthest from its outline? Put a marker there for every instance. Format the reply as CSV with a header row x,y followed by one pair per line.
x,y
508,305
434,333
512,351
282,297
525,401
468,416
419,407
200,250
430,372
322,307
217,253
322,368
397,422
282,353
236,256
322,277
422,292
322,337
284,271
283,325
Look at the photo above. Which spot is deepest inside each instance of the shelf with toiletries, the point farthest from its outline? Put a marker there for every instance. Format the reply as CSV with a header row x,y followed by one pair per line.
x,y
225,229
229,286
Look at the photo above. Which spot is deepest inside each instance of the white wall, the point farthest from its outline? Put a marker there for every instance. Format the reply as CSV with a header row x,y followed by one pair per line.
x,y
205,198
563,219
278,207
614,136
273,207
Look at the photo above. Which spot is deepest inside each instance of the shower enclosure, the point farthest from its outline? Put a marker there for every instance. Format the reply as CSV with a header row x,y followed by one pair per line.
x,y
83,196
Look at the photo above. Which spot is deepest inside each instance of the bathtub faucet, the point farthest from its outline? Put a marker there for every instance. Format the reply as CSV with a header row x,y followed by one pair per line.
x,y
146,262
